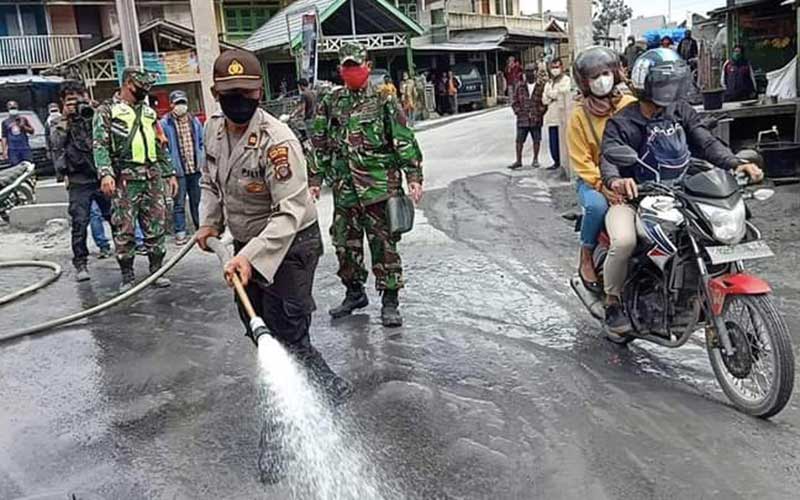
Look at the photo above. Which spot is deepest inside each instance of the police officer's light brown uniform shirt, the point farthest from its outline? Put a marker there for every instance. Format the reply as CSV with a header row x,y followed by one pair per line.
x,y
258,188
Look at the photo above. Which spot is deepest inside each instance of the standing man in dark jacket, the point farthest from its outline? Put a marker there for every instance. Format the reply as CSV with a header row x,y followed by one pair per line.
x,y
530,111
688,50
71,147
688,47
737,77
185,139
632,52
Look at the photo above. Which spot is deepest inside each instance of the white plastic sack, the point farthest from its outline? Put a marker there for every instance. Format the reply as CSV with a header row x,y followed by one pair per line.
x,y
782,83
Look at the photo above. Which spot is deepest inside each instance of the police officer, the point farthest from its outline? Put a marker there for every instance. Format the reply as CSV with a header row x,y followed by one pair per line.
x,y
133,164
362,147
254,183
71,146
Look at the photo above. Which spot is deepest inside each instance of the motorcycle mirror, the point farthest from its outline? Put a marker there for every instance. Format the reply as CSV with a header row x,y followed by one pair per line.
x,y
621,156
763,194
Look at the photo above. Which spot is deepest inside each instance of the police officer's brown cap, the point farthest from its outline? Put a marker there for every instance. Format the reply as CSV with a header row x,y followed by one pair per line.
x,y
237,69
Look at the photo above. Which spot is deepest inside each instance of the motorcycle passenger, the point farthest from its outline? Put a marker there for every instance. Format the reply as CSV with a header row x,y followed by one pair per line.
x,y
598,73
666,132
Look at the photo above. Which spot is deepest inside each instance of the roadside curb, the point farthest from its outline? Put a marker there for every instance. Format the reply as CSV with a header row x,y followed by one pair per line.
x,y
456,118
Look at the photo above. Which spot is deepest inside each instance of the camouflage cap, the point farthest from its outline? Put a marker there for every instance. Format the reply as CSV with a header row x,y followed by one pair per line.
x,y
139,76
352,52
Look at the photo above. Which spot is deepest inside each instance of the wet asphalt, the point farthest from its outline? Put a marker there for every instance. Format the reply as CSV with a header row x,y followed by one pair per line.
x,y
498,385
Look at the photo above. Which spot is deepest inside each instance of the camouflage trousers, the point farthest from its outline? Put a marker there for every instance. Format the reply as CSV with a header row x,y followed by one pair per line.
x,y
349,227
141,200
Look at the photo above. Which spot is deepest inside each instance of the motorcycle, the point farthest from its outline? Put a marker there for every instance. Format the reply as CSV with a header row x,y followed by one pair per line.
x,y
688,272
17,187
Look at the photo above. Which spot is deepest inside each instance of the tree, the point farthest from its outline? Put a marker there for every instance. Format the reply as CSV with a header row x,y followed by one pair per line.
x,y
607,13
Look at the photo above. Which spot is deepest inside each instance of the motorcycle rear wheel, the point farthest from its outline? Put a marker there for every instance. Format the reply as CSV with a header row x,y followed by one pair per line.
x,y
759,377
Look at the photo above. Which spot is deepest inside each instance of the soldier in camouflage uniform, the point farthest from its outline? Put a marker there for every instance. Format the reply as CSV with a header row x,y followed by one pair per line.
x,y
362,144
133,164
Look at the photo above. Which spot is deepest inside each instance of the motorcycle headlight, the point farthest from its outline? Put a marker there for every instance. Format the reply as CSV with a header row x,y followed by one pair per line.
x,y
727,225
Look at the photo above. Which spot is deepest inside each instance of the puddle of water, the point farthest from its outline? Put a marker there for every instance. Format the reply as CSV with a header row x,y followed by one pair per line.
x,y
324,459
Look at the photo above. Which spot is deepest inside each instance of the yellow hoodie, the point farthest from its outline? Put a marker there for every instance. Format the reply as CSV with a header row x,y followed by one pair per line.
x,y
584,151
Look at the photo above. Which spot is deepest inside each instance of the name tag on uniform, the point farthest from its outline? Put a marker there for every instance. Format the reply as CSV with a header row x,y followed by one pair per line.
x,y
256,187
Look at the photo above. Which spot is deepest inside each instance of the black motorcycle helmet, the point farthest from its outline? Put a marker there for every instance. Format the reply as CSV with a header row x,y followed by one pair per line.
x,y
660,76
591,62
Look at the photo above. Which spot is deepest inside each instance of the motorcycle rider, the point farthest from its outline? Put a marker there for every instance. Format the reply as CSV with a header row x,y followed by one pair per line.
x,y
597,73
666,132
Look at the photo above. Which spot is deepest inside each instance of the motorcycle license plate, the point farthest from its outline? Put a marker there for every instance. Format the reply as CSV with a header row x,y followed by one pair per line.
x,y
746,251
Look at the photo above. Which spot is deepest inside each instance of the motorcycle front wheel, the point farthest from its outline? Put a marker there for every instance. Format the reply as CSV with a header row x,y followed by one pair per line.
x,y
759,376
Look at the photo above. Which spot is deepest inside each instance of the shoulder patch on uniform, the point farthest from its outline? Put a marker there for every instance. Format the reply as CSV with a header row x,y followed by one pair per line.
x,y
279,158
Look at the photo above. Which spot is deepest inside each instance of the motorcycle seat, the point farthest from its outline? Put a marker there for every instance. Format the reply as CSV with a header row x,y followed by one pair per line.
x,y
9,175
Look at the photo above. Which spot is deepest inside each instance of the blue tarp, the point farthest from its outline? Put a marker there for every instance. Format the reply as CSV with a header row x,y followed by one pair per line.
x,y
653,37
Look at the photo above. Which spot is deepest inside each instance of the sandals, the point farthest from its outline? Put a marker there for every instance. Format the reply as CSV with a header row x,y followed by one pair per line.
x,y
593,286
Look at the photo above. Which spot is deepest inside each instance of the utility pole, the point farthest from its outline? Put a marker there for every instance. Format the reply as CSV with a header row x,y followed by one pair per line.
x,y
206,41
579,14
541,13
129,33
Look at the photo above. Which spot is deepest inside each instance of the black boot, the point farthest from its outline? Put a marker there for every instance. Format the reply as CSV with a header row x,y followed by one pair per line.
x,y
390,316
155,265
356,298
126,266
335,387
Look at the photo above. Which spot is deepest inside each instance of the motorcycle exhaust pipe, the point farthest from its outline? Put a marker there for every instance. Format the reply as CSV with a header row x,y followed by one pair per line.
x,y
257,325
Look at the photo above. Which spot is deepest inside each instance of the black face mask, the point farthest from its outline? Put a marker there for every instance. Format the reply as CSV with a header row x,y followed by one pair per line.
x,y
139,93
237,108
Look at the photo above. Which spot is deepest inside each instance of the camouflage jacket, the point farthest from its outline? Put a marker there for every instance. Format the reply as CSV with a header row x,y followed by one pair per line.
x,y
112,146
361,143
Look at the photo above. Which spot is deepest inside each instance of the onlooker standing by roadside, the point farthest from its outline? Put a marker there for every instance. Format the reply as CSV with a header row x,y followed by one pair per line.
x,y
440,82
453,84
737,77
688,47
530,111
53,115
306,108
556,91
632,52
185,139
666,43
71,145
14,132
408,89
99,231
688,51
387,88
513,74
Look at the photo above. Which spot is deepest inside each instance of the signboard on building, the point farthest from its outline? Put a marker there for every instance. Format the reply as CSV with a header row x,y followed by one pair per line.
x,y
308,58
178,66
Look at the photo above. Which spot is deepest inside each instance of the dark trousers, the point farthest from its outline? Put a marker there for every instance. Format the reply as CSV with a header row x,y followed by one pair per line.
x,y
188,185
286,304
555,147
81,197
452,104
17,156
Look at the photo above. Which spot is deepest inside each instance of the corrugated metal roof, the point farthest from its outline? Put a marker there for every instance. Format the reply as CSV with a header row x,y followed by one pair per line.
x,y
160,24
464,41
274,33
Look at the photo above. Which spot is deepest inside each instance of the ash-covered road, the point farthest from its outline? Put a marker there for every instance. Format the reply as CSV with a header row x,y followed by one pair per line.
x,y
498,386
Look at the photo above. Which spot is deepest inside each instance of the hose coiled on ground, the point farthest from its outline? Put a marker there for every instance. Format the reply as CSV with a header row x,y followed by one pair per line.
x,y
99,307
